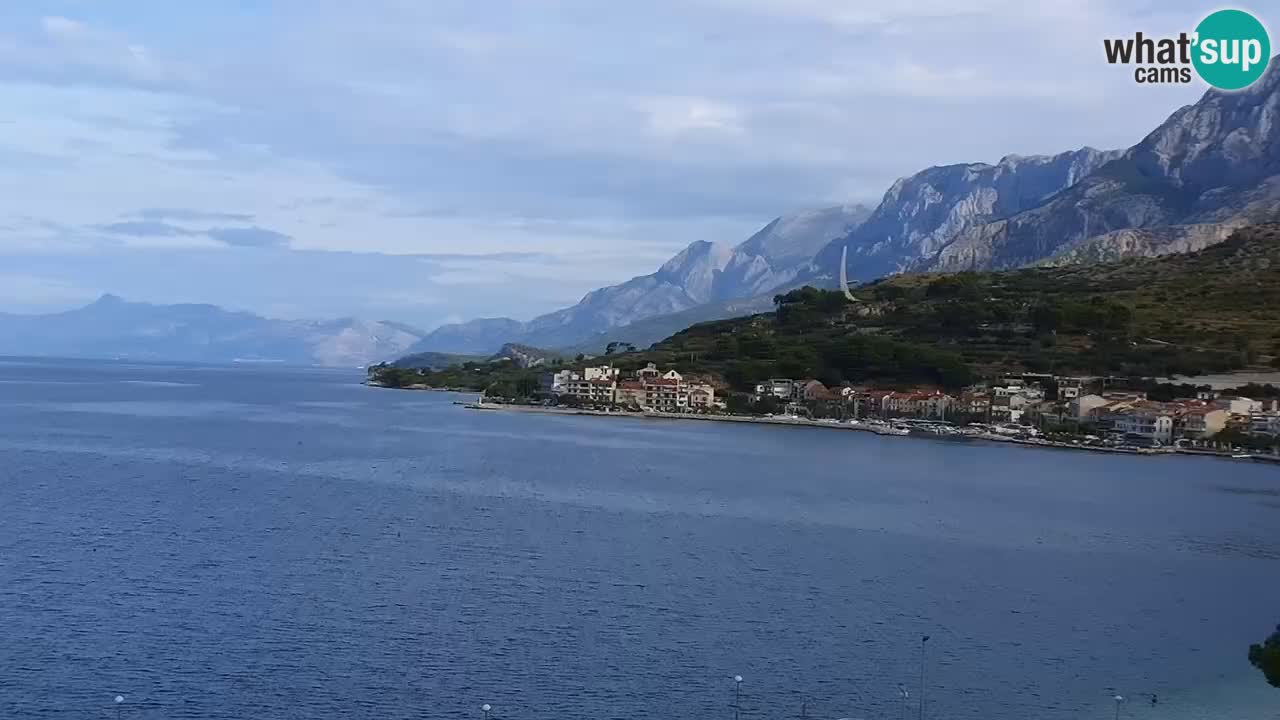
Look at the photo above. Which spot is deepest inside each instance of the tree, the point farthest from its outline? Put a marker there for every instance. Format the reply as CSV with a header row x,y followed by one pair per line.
x,y
1266,657
1046,318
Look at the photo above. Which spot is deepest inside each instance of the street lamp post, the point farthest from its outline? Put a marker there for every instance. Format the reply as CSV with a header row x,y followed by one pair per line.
x,y
485,708
1119,701
119,709
737,696
906,700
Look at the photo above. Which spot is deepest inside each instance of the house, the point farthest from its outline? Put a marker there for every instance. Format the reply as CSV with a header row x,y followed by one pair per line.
x,y
781,388
594,391
973,403
648,372
702,397
896,403
604,372
630,394
813,390
930,404
1082,407
1070,388
1147,420
665,395
1004,391
560,381
1237,405
1267,423
1008,403
1202,421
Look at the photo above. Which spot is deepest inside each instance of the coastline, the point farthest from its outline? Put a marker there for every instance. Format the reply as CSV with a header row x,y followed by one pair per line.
x,y
480,405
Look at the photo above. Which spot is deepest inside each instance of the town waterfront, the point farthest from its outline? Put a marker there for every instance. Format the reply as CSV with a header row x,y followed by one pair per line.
x,y
230,542
903,427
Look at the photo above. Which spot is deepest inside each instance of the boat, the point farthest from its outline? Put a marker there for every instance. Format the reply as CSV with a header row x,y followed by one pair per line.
x,y
890,430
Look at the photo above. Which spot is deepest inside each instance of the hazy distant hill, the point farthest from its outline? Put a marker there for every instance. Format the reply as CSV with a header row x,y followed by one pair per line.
x,y
112,327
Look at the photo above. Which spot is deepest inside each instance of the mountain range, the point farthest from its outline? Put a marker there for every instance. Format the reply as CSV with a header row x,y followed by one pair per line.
x,y
1208,311
1210,168
922,214
113,327
703,275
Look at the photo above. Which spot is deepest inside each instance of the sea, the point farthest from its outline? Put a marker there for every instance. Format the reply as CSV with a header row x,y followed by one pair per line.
x,y
250,542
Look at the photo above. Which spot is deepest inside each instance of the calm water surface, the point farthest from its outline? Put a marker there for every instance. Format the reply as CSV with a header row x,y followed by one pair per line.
x,y
263,543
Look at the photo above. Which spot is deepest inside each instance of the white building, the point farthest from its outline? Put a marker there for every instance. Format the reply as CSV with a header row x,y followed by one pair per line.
x,y
1267,423
595,391
560,381
1082,407
1146,420
702,397
1239,405
604,372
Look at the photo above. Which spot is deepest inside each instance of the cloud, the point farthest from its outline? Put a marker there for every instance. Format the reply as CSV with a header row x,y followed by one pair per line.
x,y
188,214
69,51
248,237
134,228
478,143
668,115
62,28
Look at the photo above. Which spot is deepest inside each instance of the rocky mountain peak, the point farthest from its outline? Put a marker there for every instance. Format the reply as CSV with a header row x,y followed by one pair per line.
x,y
1210,167
695,267
920,214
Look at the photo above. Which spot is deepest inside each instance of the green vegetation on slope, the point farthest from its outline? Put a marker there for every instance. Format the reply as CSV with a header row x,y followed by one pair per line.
x,y
502,377
1210,311
1266,657
434,360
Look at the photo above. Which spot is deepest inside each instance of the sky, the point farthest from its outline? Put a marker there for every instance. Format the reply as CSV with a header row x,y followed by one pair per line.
x,y
429,161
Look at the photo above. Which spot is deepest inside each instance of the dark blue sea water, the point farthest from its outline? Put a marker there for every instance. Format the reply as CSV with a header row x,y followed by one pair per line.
x,y
270,543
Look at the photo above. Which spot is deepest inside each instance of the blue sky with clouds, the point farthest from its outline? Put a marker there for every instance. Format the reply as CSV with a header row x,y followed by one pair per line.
x,y
430,161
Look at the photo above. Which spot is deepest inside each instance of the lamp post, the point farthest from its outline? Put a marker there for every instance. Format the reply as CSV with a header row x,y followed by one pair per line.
x,y
923,641
906,700
1119,701
485,708
119,702
737,696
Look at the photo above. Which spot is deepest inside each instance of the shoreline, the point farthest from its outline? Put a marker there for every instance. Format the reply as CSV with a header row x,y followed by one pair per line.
x,y
803,423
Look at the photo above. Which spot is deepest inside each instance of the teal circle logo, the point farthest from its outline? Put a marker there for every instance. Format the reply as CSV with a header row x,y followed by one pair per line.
x,y
1231,49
